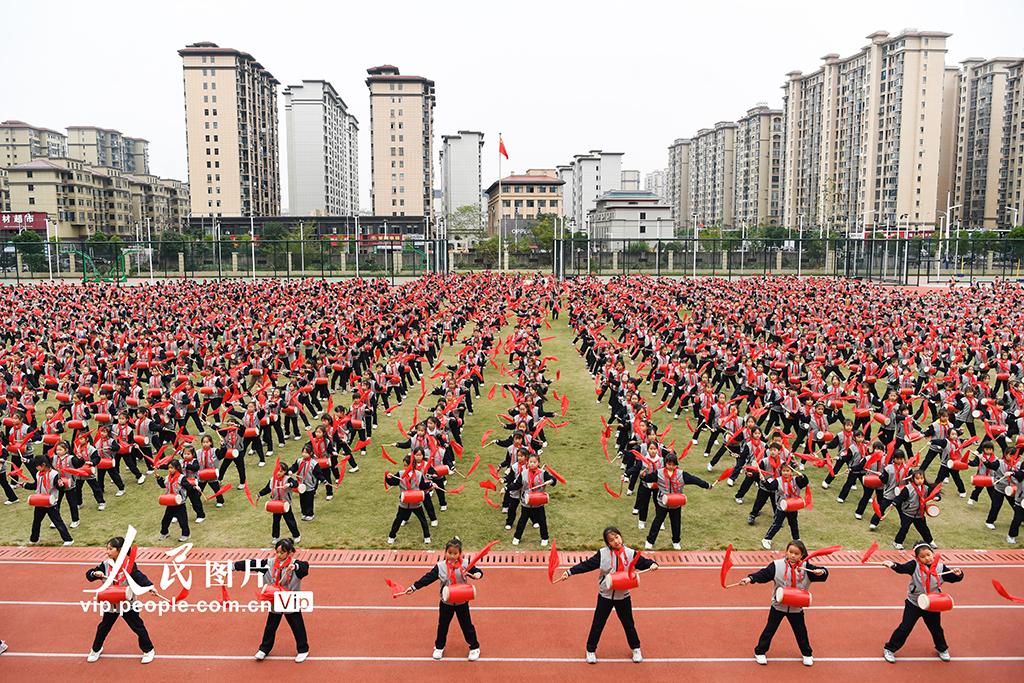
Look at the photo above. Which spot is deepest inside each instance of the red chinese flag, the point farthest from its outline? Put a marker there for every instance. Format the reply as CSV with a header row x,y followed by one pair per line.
x,y
501,148
726,563
552,561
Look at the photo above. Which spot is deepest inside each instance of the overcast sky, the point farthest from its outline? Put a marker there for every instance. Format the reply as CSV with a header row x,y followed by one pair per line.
x,y
555,78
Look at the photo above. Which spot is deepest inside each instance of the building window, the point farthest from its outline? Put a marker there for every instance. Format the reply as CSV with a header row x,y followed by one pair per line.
x,y
553,203
401,189
215,99
542,189
529,203
399,86
519,203
392,87
32,200
215,125
392,151
643,229
402,202
204,59
31,188
394,202
541,203
206,98
394,189
213,86
401,151
392,137
206,86
506,203
643,216
529,189
216,151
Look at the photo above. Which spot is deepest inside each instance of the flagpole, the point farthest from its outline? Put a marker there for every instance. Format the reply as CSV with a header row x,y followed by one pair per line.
x,y
499,202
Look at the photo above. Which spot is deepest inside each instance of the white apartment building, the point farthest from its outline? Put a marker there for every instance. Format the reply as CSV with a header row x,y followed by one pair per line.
x,y
323,157
590,175
863,136
631,215
713,175
630,181
759,140
655,182
1014,128
461,171
677,182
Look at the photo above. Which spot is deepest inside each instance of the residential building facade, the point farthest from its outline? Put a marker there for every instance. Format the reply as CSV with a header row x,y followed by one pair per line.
x,y
655,182
107,147
1014,128
677,182
713,175
23,142
863,136
758,168
592,175
233,152
630,181
982,151
323,143
401,142
461,168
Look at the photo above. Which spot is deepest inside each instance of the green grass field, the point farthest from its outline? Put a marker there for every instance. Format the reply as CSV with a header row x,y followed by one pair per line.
x,y
361,512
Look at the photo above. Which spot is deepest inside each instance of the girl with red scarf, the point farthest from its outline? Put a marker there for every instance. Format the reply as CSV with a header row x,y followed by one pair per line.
x,y
452,570
286,573
927,575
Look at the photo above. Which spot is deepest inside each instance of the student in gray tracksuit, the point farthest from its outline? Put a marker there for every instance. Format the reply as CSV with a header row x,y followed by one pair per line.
x,y
792,571
287,573
614,557
924,578
451,570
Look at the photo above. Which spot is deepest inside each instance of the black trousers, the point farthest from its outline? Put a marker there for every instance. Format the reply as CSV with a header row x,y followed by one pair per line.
x,y
403,516
919,523
643,502
952,474
780,517
796,620
239,465
181,513
54,514
306,502
444,620
289,519
911,613
298,629
659,518
1018,517
536,515
624,610
134,621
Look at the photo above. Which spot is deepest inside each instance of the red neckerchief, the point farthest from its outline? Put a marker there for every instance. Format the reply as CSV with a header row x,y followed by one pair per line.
x,y
620,558
277,572
530,476
172,480
786,484
793,571
452,568
927,572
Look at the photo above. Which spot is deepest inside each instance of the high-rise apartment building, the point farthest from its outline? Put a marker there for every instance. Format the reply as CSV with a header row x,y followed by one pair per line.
x,y
677,182
107,147
461,171
712,175
232,133
591,175
323,157
655,182
1014,128
863,135
401,142
22,143
630,181
758,168
980,183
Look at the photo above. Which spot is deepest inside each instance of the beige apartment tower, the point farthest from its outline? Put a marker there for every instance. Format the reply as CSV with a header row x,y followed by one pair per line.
x,y
401,142
1014,128
713,175
677,183
107,147
758,168
23,142
864,136
232,133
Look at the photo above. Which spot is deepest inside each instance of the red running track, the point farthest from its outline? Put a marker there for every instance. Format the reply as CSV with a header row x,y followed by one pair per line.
x,y
528,629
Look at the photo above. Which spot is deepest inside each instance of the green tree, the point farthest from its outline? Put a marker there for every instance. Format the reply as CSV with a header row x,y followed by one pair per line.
x,y
169,244
30,245
98,236
544,231
466,220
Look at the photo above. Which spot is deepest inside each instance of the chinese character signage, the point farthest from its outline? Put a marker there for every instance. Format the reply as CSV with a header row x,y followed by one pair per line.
x,y
34,220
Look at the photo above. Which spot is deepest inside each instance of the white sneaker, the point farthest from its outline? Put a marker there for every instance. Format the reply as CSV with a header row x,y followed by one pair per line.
x,y
766,544
944,656
437,653
301,657
220,505
71,542
331,497
872,527
433,522
730,482
543,541
933,545
119,493
840,500
970,501
174,520
824,485
641,525
280,445
94,655
637,657
536,526
260,654
1011,540
391,541
591,658
710,467
635,511
101,507
474,655
182,539
889,655
141,479
241,487
508,527
808,661
270,453
200,520
898,546
760,659
964,494
857,515
298,438
162,537
297,539
739,501
427,540
147,657
647,545
443,508
353,469
504,511
675,546
74,524
990,525
261,464
11,502
515,541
